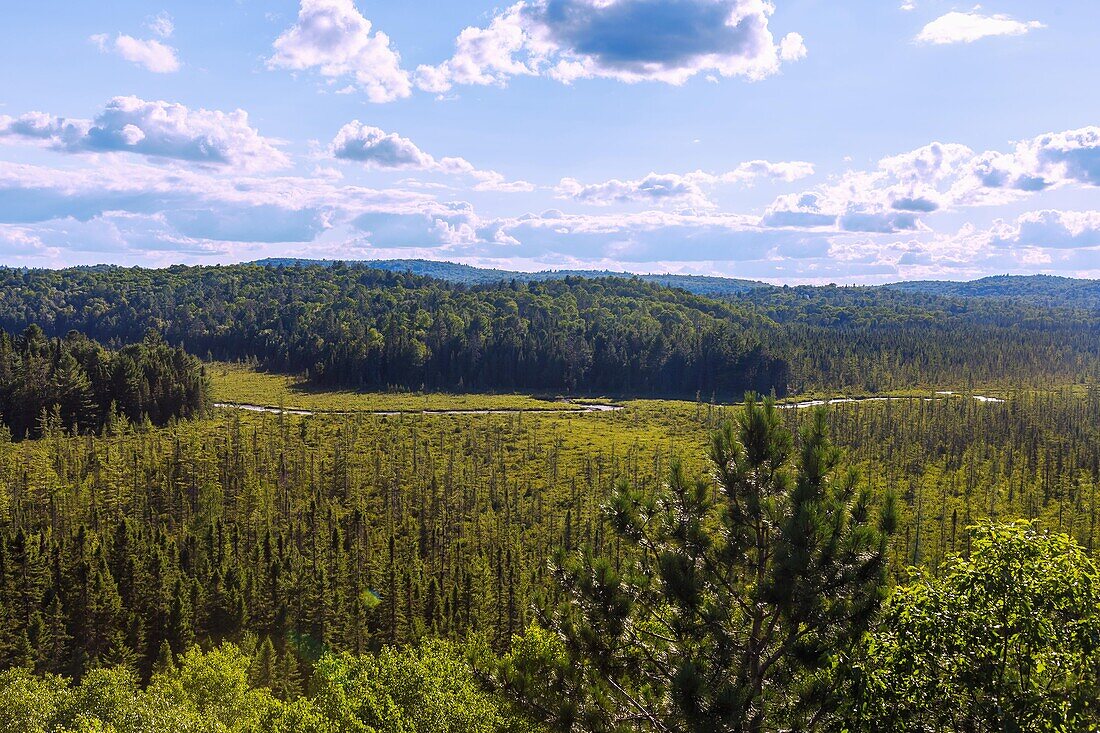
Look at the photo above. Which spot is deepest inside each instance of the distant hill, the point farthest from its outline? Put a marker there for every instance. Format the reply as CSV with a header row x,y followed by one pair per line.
x,y
467,275
1043,290
1046,290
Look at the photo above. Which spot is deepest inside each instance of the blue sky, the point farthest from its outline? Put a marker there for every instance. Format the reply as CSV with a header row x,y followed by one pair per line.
x,y
792,141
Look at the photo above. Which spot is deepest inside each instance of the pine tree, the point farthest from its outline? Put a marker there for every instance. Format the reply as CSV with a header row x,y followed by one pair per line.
x,y
181,633
747,594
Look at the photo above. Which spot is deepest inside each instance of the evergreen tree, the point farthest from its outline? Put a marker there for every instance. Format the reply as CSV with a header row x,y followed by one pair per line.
x,y
53,642
288,679
746,594
181,632
165,663
262,672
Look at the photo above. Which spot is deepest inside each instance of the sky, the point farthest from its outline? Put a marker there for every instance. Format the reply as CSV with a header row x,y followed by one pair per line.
x,y
792,141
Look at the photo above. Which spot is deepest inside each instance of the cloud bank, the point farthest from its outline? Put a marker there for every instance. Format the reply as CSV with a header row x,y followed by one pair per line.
x,y
880,224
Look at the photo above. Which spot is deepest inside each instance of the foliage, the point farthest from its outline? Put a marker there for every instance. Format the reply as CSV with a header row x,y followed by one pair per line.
x,y
362,328
1007,639
427,690
417,691
73,383
740,599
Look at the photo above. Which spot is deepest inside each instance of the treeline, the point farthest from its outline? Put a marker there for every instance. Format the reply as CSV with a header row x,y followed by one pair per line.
x,y
366,328
879,339
78,385
352,326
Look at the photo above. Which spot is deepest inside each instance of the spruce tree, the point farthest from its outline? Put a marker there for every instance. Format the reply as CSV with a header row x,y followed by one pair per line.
x,y
262,672
288,680
165,663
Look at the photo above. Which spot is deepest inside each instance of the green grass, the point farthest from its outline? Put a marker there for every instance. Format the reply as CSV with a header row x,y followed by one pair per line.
x,y
240,384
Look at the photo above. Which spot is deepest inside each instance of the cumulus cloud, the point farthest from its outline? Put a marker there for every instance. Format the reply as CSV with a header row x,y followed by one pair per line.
x,y
1045,162
376,148
627,40
1051,229
687,188
334,38
943,176
653,188
155,129
150,54
958,27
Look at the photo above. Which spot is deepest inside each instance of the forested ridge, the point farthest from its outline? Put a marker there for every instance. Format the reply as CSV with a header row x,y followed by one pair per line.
x,y
366,328
1045,290
354,326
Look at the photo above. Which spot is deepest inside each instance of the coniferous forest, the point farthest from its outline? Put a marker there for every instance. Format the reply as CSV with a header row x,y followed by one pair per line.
x,y
711,556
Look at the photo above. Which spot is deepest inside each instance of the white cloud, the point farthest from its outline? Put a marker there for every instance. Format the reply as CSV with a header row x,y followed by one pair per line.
x,y
653,188
628,40
752,170
334,38
945,176
958,27
1051,229
792,47
376,148
493,181
156,129
149,54
684,189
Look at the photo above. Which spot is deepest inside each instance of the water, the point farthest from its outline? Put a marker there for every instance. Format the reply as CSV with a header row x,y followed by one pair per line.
x,y
578,409
847,400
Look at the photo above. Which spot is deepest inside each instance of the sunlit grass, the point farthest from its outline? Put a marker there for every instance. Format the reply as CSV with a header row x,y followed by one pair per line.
x,y
241,384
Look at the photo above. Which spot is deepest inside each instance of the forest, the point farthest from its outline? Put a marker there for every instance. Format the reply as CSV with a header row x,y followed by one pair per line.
x,y
920,561
78,385
371,329
353,326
